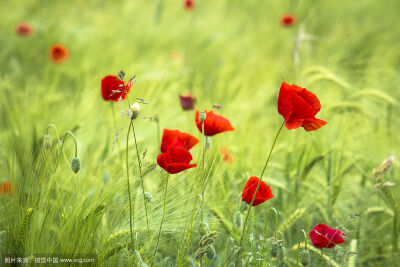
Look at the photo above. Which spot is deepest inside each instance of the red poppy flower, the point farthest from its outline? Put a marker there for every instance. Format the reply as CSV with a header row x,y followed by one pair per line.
x,y
24,29
58,53
263,194
226,156
213,124
175,138
175,160
323,236
189,4
112,88
6,189
288,20
299,107
187,101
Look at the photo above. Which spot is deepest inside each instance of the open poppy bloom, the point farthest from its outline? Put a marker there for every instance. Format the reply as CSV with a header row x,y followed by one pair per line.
x,y
226,156
189,4
5,188
263,194
112,88
323,236
175,138
288,20
58,53
299,107
187,101
175,160
213,124
24,29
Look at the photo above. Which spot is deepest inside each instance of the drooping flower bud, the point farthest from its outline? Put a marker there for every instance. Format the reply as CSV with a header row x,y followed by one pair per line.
x,y
148,197
274,249
202,116
203,228
211,253
75,165
238,219
187,101
305,257
135,108
47,141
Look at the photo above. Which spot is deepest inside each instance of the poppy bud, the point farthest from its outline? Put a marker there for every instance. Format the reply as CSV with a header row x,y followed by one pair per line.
x,y
135,108
203,228
75,165
47,141
148,197
211,253
274,249
238,219
202,116
305,257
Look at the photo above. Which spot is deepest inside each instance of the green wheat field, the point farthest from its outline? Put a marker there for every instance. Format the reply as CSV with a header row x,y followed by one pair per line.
x,y
232,56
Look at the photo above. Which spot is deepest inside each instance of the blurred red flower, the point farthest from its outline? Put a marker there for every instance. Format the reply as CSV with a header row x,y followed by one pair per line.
x,y
175,160
24,29
288,20
213,124
226,156
112,88
58,53
187,101
6,189
299,107
323,236
263,194
175,138
189,4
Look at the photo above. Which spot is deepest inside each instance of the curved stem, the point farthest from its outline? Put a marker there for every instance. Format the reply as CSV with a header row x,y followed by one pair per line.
x,y
58,141
266,225
305,244
127,180
162,221
141,179
258,185
51,179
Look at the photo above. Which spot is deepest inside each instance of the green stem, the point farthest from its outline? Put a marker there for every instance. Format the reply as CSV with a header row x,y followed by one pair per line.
x,y
305,244
203,173
162,221
51,179
141,179
58,141
254,196
190,230
127,180
265,228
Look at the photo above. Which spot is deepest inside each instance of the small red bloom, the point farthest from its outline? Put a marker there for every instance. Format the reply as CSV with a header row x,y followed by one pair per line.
x,y
24,29
213,124
112,88
323,236
263,194
226,156
299,107
288,20
175,138
58,53
175,160
189,4
187,101
6,189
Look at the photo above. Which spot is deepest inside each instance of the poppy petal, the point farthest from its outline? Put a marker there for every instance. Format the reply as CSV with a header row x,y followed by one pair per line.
x,y
313,124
